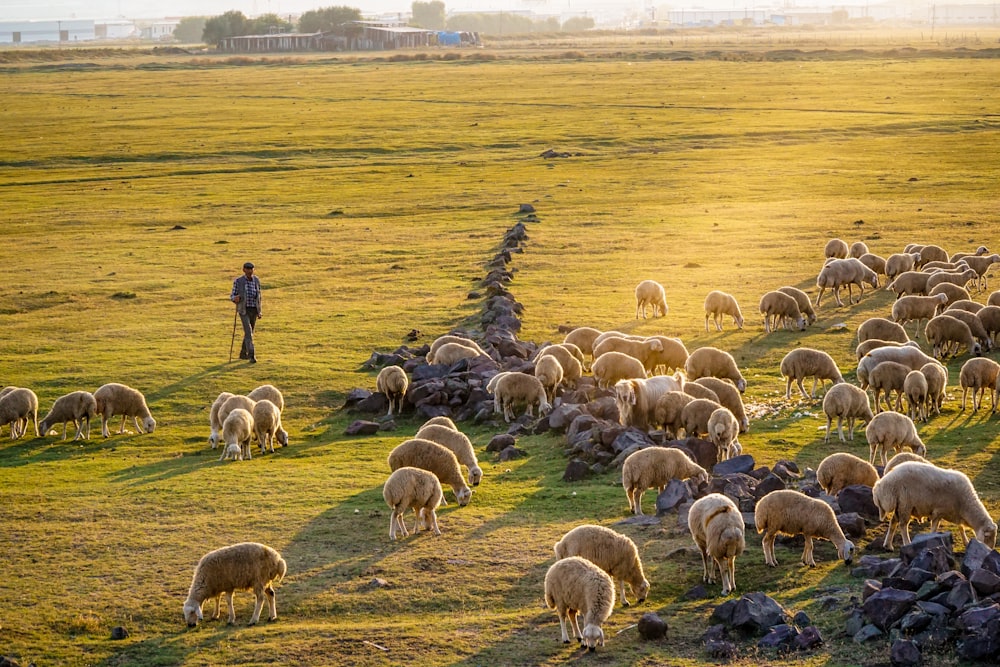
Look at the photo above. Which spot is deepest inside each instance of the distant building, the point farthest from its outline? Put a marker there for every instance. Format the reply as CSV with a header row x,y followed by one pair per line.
x,y
115,30
288,41
158,31
58,31
693,18
965,14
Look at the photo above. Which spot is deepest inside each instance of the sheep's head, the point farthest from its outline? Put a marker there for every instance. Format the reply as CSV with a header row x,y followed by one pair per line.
x,y
475,475
846,552
920,449
463,495
977,350
641,591
592,636
741,384
149,424
192,613
988,536
801,323
282,437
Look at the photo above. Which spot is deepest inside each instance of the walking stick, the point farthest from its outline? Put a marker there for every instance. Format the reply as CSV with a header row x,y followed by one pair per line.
x,y
236,314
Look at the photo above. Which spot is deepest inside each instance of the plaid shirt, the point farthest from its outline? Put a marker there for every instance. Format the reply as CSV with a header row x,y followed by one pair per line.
x,y
253,292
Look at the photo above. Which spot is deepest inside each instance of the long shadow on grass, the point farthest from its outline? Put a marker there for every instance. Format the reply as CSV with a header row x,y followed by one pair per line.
x,y
46,449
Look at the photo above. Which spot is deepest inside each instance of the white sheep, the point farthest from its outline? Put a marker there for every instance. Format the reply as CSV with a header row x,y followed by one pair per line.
x,y
847,403
909,282
653,467
899,263
549,372
858,248
438,459
979,375
268,392
937,382
789,512
803,301
237,430
981,250
882,329
959,278
234,402
724,431
267,425
613,552
611,367
19,406
520,389
213,418
458,443
636,398
441,420
671,356
450,354
993,299
719,304
727,395
873,262
718,531
393,382
867,346
713,362
968,305
953,292
845,273
118,399
572,367
915,390
975,324
916,308
650,293
914,489
78,407
669,411
777,306
695,390
19,422
441,341
583,338
233,452
695,416
238,567
646,350
892,430
407,488
836,248
575,586
905,354
948,334
804,362
932,253
902,457
841,470
888,377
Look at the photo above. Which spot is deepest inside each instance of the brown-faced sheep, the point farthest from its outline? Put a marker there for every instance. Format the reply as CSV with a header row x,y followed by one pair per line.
x,y
836,248
583,338
653,467
937,382
899,263
728,396
438,459
267,425
268,392
19,406
248,566
847,403
882,329
645,350
718,531
717,305
636,398
888,377
979,375
520,389
779,307
724,431
915,390
892,430
948,334
237,431
213,418
713,362
916,308
841,470
118,399
669,412
804,362
650,293
78,407
613,552
840,273
549,372
575,586
909,282
407,488
788,512
803,301
458,443
393,382
610,368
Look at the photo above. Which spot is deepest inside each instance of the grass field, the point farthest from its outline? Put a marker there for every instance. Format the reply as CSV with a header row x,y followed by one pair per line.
x,y
370,193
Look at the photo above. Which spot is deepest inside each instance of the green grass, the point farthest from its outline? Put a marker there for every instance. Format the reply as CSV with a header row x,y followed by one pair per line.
x,y
370,194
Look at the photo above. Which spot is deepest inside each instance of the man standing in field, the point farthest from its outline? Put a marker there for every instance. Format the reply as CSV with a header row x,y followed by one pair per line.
x,y
246,296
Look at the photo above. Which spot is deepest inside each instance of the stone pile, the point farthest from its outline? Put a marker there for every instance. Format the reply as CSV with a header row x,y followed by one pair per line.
x,y
757,616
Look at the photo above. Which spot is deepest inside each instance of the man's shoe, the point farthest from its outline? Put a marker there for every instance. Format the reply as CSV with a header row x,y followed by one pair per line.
x,y
243,355
253,360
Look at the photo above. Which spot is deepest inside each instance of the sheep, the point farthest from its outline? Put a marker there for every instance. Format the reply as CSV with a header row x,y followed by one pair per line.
x,y
727,396
549,372
270,393
695,416
946,333
953,292
888,377
803,301
78,407
836,248
981,265
653,467
520,388
409,487
981,250
914,248
845,273
915,389
441,420
644,350
458,443
441,341
718,304
914,489
724,431
805,362
393,382
233,452
934,267
672,355
650,293
237,430
636,398
232,403
718,531
695,390
267,425
895,430
669,411
438,459
841,470
968,305
993,299
979,375
711,361
118,399
909,282
583,338
613,552
932,253
905,354
989,317
213,418
612,367
961,278
873,262
937,382
873,343
450,354
572,349
858,248
575,586
238,567
777,306
614,334
793,513
19,405
975,325
902,457
882,329
572,368
899,263
847,403
916,308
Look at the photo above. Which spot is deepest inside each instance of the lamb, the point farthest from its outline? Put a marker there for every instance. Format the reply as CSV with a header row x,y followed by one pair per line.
x,y
841,470
836,248
953,292
777,306
441,341
237,430
899,263
847,403
724,431
572,368
916,308
268,392
695,416
858,248
895,430
937,382
458,443
915,389
393,382
805,362
78,407
19,405
650,293
214,421
882,329
267,425
873,262
613,552
576,586
718,304
989,317
118,399
981,250
409,487
583,338
946,333
845,273
932,253
520,389
669,411
888,377
549,372
645,350
612,367
902,457
719,533
438,459
979,375
711,361
914,489
450,354
636,398
672,356
975,325
960,278
803,301
909,282
727,396
239,567
793,513
653,467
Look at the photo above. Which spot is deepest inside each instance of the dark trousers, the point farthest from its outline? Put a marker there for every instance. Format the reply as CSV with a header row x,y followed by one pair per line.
x,y
249,321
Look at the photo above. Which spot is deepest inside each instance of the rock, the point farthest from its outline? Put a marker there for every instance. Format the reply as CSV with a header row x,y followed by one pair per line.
x,y
576,470
563,415
651,626
960,595
428,372
887,606
808,639
427,411
118,632
975,556
867,633
853,524
511,453
755,613
770,483
743,463
786,470
855,621
857,498
699,592
720,650
361,427
629,438
914,621
378,582
778,637
675,493
904,653
919,543
387,425
500,442
526,208
870,588
9,662
917,577
984,582
983,645
801,619
972,620
937,559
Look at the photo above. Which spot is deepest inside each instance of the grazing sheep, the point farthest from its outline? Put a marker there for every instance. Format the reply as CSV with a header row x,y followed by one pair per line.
x,y
845,273
583,338
695,416
953,292
836,248
979,375
441,341
438,459
909,282
975,325
873,343
441,420
934,267
993,299
118,399
645,351
695,390
672,355
932,253
612,367
450,354
914,489
902,457
961,278
905,354
233,452
882,329
946,334
719,304
549,372
232,403
803,301
239,567
841,470
4,392
777,306
650,293
981,250
520,389
728,396
888,377
569,347
575,586
914,248
636,398
937,382
458,443
915,389
214,421
237,430
407,488
724,431
78,407
899,263
793,513
393,382
873,262
989,317
19,405
858,248
719,533
917,308
805,362
613,552
572,368
968,305
895,430
613,334
268,392
713,362
847,403
653,467
669,411
267,425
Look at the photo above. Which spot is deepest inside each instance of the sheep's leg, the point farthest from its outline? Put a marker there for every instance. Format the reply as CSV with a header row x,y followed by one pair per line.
x,y
706,576
258,605
431,519
732,573
625,602
272,604
873,448
562,624
392,524
819,296
812,394
788,388
122,429
802,389
232,608
637,500
768,544
807,553
723,566
718,322
574,618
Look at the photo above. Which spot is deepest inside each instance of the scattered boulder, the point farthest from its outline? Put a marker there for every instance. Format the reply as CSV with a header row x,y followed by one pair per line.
x,y
651,626
362,427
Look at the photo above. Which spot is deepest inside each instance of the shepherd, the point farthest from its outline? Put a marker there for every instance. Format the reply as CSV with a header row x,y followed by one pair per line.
x,y
246,295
